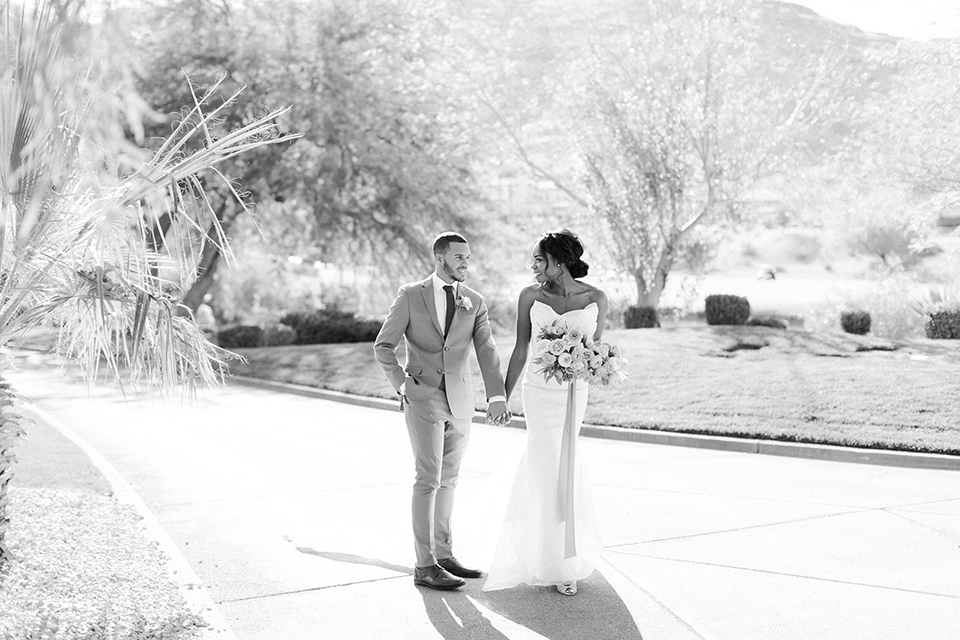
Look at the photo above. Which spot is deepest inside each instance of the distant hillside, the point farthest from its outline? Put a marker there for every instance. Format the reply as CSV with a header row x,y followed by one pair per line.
x,y
537,36
537,33
787,25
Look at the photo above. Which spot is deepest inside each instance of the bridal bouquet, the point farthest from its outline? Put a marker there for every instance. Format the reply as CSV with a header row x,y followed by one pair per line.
x,y
566,354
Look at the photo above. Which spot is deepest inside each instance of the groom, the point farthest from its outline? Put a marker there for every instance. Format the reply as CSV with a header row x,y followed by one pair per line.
x,y
438,319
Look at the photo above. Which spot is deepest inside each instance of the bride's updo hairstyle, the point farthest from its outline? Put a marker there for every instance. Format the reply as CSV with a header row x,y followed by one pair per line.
x,y
565,247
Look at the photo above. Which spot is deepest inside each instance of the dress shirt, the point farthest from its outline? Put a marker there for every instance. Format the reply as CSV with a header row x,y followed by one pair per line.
x,y
440,297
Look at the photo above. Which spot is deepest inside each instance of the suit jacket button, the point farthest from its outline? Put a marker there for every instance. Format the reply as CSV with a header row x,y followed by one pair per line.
x,y
440,371
446,348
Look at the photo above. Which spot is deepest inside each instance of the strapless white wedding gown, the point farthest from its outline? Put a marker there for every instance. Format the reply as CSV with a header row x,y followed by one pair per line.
x,y
534,545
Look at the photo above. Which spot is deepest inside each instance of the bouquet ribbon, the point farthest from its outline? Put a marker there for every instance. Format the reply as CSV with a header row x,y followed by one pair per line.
x,y
568,458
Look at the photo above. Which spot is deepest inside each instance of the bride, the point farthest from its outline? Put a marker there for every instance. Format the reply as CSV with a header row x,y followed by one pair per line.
x,y
547,539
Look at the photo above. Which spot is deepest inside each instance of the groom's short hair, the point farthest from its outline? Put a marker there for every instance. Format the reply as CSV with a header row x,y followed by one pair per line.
x,y
444,240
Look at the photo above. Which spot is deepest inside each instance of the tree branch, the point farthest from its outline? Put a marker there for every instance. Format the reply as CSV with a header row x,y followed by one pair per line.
x,y
537,169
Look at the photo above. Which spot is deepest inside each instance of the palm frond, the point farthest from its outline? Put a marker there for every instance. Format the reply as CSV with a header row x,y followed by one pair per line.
x,y
74,237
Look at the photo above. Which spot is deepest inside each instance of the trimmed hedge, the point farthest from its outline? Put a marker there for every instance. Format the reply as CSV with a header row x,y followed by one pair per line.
x,y
640,317
726,309
243,336
278,335
327,326
943,324
856,322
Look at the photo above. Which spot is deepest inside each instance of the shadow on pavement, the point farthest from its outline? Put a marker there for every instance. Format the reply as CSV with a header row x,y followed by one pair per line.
x,y
596,612
355,559
455,616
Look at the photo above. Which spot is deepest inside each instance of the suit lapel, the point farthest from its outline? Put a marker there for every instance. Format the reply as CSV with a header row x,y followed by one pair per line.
x,y
429,300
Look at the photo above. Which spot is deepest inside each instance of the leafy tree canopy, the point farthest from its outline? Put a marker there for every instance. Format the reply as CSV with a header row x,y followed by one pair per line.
x,y
385,160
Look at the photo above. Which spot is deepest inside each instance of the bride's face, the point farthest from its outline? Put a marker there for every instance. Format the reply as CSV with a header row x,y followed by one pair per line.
x,y
544,267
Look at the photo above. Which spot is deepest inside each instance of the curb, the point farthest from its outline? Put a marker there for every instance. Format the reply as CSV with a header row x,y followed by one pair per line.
x,y
178,569
829,453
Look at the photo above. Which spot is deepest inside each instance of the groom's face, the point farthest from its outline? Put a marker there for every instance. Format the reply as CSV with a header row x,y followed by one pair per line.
x,y
455,261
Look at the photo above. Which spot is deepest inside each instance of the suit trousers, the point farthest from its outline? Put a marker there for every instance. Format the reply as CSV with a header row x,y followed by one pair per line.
x,y
438,440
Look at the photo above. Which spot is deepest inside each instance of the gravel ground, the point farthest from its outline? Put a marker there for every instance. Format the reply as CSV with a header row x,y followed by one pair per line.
x,y
84,568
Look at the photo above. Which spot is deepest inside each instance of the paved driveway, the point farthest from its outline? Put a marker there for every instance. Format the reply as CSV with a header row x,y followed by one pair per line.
x,y
294,512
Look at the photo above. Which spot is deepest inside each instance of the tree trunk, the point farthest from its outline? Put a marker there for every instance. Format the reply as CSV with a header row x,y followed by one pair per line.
x,y
648,298
648,293
209,262
226,214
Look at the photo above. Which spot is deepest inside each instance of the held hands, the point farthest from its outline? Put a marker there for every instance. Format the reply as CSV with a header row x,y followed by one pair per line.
x,y
498,414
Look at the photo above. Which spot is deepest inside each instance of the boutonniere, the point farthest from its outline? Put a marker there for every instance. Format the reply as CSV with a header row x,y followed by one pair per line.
x,y
465,303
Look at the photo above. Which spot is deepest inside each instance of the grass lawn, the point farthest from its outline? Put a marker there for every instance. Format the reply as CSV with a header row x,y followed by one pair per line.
x,y
752,382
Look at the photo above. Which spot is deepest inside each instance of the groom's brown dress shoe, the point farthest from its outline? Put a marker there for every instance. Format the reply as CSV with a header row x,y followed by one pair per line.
x,y
453,566
436,577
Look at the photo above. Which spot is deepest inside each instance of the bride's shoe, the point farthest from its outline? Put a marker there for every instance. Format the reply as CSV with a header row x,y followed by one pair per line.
x,y
567,588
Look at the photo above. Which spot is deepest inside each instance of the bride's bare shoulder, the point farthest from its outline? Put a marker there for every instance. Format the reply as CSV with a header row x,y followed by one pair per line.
x,y
595,294
529,293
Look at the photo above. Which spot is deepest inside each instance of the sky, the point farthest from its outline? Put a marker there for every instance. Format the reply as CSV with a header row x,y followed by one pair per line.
x,y
914,19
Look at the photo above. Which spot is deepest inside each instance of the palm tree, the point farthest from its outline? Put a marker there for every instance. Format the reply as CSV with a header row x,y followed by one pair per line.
x,y
77,218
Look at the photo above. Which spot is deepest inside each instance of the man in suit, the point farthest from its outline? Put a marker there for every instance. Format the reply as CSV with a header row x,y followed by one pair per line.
x,y
438,319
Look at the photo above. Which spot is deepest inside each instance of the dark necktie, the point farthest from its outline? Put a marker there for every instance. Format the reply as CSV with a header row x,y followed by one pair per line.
x,y
450,308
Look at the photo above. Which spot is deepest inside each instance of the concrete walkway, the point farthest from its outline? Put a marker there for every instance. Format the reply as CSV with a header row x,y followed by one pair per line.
x,y
294,513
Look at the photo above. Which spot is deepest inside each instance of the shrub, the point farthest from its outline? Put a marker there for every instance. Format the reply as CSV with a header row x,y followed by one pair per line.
x,y
857,322
727,309
671,314
800,245
278,335
948,221
241,337
294,319
616,309
943,324
893,314
888,234
640,317
768,321
327,326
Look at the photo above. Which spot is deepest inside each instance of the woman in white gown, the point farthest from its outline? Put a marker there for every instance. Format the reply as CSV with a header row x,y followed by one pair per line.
x,y
545,540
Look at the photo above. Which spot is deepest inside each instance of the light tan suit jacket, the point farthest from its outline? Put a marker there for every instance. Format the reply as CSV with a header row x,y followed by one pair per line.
x,y
430,356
